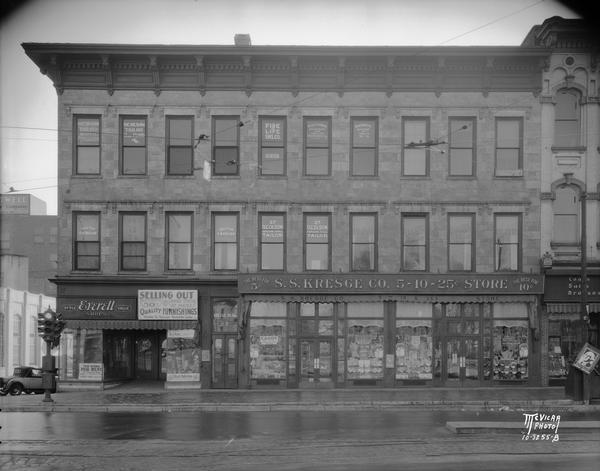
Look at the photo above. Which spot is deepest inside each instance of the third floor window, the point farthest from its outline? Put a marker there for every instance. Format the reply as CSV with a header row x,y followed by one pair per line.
x,y
364,147
226,145
133,145
180,151
317,146
462,147
87,145
272,145
567,115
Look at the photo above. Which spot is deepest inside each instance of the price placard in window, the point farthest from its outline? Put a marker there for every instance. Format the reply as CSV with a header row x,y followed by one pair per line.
x,y
587,359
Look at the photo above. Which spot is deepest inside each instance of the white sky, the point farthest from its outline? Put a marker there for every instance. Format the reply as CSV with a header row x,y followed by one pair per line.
x,y
28,99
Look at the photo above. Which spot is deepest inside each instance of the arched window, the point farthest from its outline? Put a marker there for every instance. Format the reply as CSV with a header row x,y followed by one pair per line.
x,y
566,216
567,118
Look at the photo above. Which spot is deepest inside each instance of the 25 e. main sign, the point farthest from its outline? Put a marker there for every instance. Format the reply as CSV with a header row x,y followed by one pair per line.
x,y
391,283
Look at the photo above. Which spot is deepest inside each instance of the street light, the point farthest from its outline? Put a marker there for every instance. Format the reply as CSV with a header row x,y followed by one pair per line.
x,y
50,326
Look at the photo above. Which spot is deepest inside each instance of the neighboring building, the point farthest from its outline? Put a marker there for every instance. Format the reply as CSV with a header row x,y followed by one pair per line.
x,y
288,216
570,192
25,230
20,343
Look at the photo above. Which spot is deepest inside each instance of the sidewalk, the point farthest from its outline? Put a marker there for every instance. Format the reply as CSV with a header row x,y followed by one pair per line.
x,y
153,398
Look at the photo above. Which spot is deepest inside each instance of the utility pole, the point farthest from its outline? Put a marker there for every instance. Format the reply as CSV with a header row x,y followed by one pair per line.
x,y
585,316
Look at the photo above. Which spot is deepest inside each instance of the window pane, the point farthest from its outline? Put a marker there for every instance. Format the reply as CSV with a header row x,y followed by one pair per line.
x,y
363,257
134,132
415,131
507,257
363,133
180,256
566,201
134,249
225,256
415,162
226,132
88,160
460,229
272,161
272,228
134,263
134,227
461,133
134,160
180,160
88,248
317,256
414,258
180,132
225,228
461,162
272,132
460,257
507,229
317,229
363,229
567,105
272,257
508,133
507,159
88,226
414,230
317,161
88,131
226,160
88,263
180,227
317,133
566,133
363,162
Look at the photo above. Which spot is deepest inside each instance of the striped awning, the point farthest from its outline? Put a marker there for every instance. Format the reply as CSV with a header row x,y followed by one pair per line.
x,y
130,324
414,298
570,308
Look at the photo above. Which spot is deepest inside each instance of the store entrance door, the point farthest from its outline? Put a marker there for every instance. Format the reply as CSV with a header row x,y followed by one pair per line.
x,y
225,372
316,363
146,365
461,365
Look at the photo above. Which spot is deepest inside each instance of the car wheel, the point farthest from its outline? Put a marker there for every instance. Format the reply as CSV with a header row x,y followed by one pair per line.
x,y
16,389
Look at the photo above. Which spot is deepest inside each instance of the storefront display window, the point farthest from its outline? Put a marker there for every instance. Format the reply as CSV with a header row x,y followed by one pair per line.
x,y
183,355
365,341
511,341
268,340
564,342
413,341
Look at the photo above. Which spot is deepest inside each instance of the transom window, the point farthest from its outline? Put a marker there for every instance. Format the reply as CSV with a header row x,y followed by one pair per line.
x,y
317,146
87,145
364,146
133,145
180,152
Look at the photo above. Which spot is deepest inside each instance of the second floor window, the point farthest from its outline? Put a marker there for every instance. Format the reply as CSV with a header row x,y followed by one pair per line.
x,y
179,241
87,241
180,152
414,242
272,241
133,145
133,241
225,237
415,160
272,145
460,242
567,114
363,231
87,145
364,147
317,236
462,147
507,242
226,145
317,146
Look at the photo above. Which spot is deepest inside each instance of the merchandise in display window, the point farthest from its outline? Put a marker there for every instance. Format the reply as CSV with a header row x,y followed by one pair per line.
x,y
564,342
510,349
413,349
365,349
183,355
268,348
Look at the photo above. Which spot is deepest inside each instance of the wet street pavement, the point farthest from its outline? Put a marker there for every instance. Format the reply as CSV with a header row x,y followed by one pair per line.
x,y
283,440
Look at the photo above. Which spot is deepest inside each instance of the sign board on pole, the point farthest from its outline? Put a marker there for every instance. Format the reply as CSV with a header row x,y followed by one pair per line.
x,y
587,359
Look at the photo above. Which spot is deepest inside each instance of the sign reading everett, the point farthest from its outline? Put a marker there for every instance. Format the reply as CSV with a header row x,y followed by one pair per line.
x,y
168,304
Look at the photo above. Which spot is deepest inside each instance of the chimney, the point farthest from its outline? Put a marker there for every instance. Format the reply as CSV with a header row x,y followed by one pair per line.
x,y
242,40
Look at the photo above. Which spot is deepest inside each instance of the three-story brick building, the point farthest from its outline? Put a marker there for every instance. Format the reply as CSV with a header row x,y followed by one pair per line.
x,y
289,216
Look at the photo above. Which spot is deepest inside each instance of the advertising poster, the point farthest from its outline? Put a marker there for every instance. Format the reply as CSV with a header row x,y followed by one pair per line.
x,y
183,355
91,371
167,304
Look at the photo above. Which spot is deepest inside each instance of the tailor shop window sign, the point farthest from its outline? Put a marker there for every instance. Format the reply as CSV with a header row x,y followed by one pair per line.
x,y
97,308
168,304
388,284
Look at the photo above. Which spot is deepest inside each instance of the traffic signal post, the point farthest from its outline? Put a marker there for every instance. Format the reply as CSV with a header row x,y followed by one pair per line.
x,y
50,326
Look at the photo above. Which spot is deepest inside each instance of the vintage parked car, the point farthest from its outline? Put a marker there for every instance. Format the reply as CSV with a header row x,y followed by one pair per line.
x,y
25,379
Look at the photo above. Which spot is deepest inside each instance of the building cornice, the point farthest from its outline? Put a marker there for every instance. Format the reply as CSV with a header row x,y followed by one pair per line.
x,y
339,69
